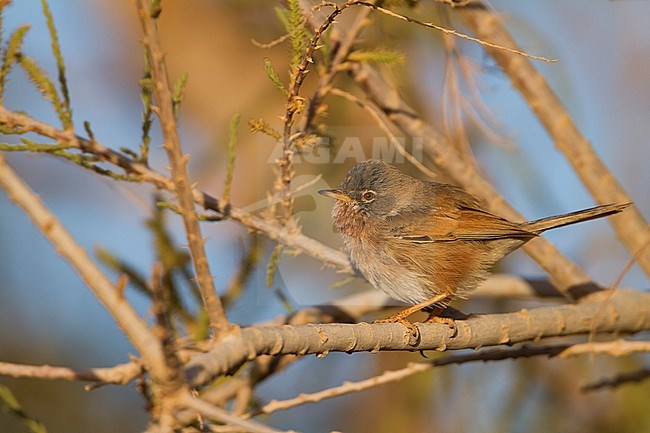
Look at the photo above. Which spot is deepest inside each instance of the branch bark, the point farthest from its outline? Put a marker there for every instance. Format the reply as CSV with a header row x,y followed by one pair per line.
x,y
620,311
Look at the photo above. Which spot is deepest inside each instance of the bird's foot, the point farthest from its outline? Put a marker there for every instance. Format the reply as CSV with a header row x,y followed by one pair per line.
x,y
451,323
399,318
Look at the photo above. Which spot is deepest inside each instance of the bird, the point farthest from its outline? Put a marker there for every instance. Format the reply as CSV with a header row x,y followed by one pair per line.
x,y
426,243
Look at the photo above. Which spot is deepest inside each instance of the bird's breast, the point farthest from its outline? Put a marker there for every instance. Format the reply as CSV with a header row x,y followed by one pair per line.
x,y
373,255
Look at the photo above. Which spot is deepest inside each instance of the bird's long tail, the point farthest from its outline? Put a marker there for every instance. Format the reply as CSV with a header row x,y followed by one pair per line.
x,y
552,222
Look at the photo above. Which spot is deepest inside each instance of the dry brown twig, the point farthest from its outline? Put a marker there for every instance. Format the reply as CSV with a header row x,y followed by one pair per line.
x,y
452,104
178,162
460,107
461,69
294,106
344,42
614,287
281,39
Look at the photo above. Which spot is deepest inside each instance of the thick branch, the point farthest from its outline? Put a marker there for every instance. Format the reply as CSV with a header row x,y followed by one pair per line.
x,y
613,348
565,274
622,311
178,163
630,225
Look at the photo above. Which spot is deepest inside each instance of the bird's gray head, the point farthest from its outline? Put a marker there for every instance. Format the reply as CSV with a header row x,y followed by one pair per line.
x,y
375,188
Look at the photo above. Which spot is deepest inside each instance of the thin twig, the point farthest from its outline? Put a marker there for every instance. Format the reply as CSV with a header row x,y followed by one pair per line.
x,y
302,68
453,32
121,374
380,120
178,162
343,49
411,369
614,287
277,198
616,348
294,106
279,40
216,413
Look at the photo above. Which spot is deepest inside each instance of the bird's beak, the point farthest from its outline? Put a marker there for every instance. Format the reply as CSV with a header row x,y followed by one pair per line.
x,y
336,194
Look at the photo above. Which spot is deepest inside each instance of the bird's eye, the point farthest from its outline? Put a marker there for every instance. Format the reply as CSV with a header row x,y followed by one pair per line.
x,y
368,196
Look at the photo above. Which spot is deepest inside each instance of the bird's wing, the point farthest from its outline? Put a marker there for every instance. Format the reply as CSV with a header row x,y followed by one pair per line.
x,y
461,223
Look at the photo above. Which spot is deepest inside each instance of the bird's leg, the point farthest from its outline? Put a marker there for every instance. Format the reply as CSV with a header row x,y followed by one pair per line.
x,y
401,317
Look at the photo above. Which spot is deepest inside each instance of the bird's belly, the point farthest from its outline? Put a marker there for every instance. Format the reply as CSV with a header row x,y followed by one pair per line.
x,y
382,269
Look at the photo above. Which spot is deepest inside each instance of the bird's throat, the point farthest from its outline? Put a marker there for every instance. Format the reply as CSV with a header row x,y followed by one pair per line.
x,y
350,221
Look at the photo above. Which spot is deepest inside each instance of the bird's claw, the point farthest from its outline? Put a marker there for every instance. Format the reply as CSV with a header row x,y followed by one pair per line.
x,y
451,323
413,330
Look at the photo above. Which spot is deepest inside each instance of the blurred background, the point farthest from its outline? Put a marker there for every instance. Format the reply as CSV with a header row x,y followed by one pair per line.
x,y
47,315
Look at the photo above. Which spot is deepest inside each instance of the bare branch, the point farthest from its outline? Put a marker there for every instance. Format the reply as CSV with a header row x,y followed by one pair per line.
x,y
630,226
379,118
345,41
132,325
